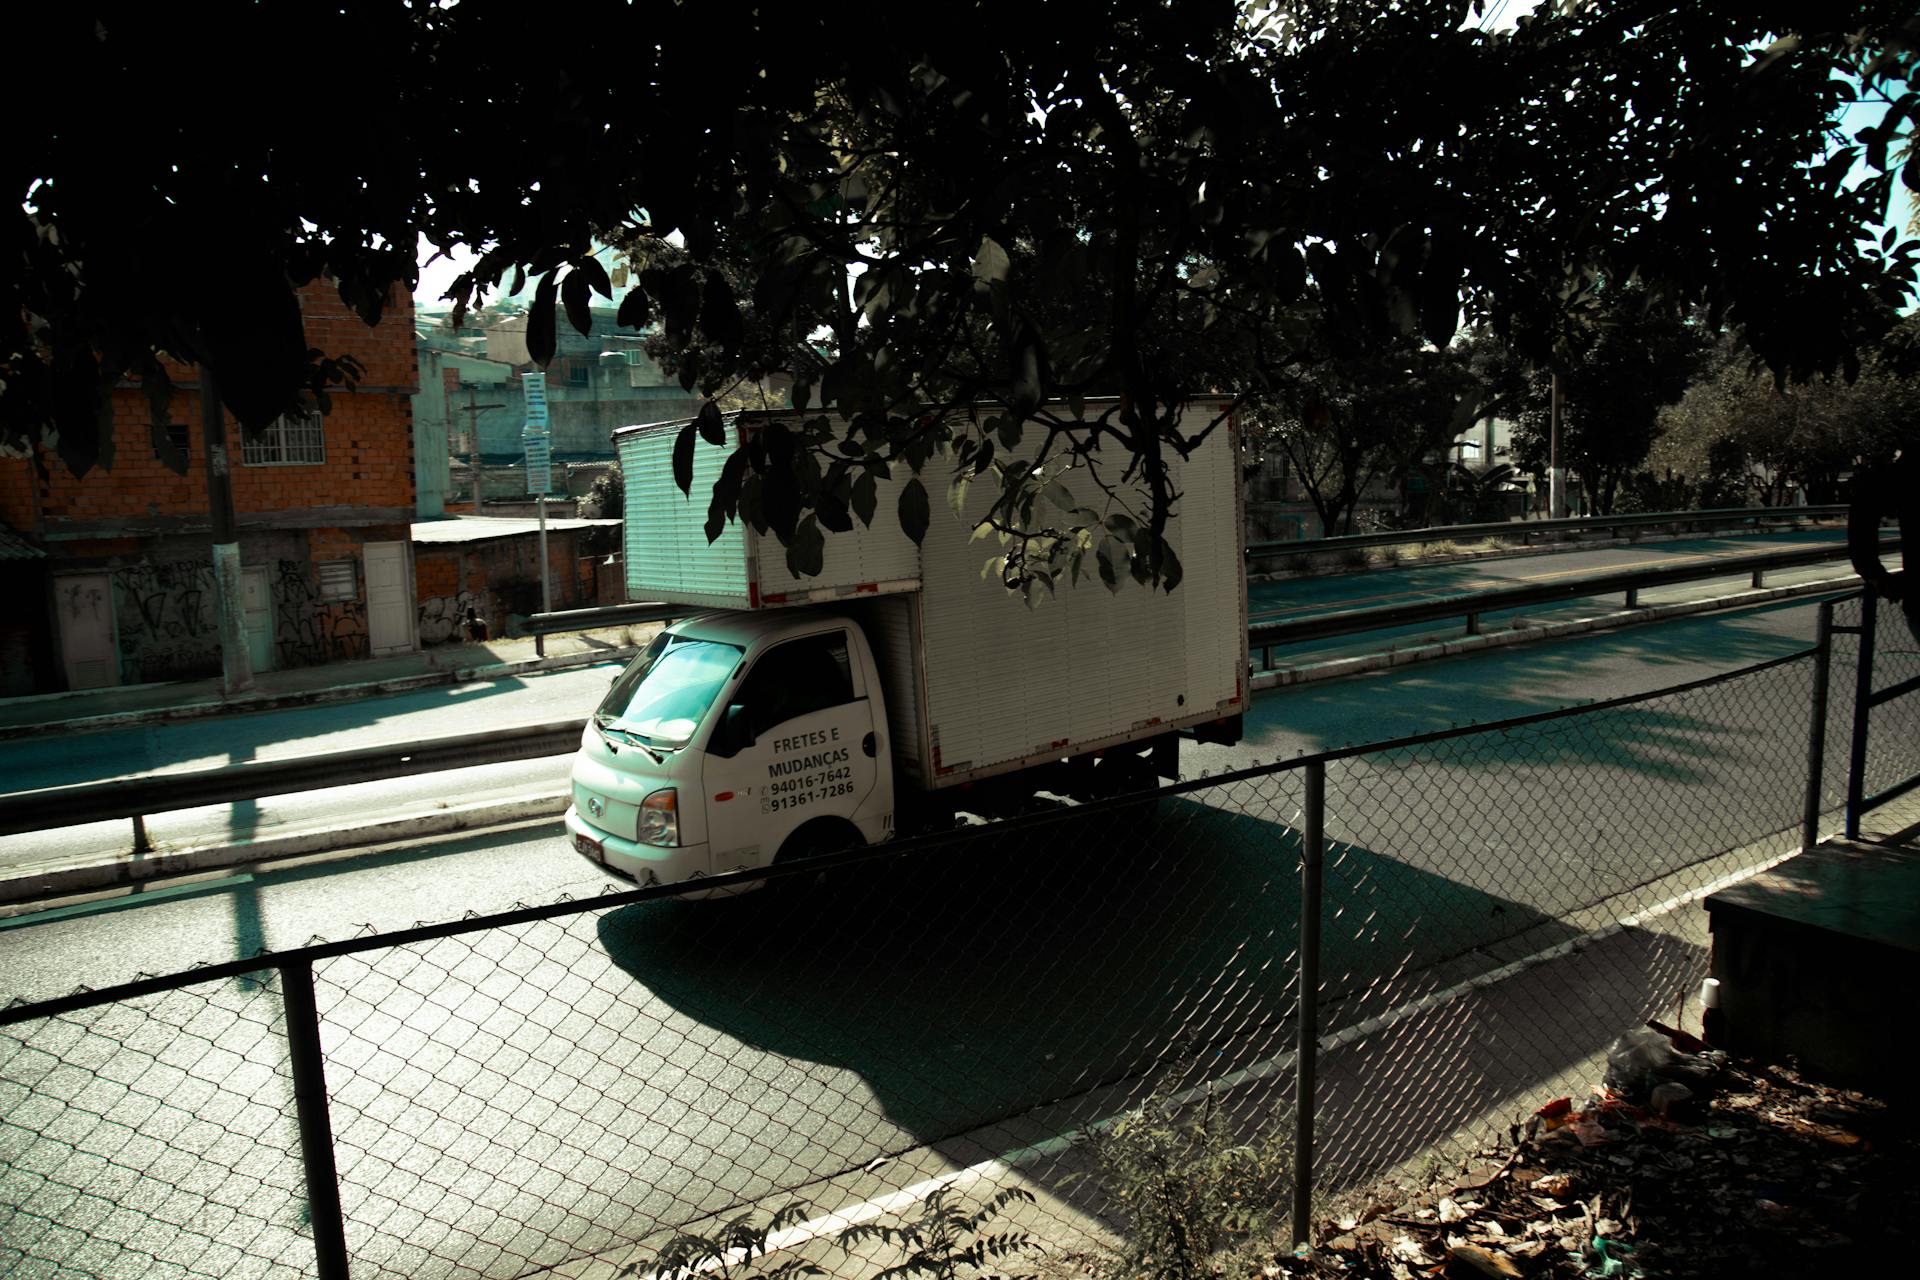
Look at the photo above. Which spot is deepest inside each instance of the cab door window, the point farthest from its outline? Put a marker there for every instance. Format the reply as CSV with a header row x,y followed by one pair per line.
x,y
795,679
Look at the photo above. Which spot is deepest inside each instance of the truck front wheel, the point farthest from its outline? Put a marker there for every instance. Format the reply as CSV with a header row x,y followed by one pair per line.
x,y
816,839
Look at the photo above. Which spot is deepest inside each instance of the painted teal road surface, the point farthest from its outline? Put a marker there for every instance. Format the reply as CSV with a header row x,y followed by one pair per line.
x,y
167,747
511,1100
1300,598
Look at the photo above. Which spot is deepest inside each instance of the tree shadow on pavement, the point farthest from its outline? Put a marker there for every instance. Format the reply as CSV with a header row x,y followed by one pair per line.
x,y
1033,979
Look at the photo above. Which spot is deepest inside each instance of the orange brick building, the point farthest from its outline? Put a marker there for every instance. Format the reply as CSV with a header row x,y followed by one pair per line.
x,y
323,507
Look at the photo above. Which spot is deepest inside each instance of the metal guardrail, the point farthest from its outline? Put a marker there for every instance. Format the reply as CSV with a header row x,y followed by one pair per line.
x,y
79,803
1266,637
1719,517
136,797
616,615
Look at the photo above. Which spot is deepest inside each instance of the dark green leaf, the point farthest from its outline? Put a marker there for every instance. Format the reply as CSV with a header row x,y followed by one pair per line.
x,y
573,294
719,316
635,311
991,262
806,550
726,494
865,497
596,275
540,322
712,429
683,459
1111,554
914,511
1170,570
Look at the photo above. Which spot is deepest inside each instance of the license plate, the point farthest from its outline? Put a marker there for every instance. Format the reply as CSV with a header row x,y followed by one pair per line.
x,y
589,846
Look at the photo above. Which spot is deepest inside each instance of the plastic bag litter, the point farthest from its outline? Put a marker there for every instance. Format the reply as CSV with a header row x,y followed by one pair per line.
x,y
1643,1058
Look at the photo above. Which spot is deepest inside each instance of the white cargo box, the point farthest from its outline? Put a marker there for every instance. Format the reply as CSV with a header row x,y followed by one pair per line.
x,y
977,682
669,559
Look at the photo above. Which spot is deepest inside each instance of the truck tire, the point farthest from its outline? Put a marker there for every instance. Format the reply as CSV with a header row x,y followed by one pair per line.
x,y
813,840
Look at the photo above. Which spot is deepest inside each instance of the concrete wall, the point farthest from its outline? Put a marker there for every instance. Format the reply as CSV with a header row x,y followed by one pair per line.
x,y
500,579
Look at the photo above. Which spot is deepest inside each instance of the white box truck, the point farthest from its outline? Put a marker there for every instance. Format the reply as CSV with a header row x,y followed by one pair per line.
x,y
796,716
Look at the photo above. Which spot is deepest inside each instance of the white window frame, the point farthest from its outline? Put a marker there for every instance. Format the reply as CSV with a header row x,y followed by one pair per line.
x,y
291,440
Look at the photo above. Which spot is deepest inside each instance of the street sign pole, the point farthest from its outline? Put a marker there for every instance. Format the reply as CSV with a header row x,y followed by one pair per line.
x,y
539,480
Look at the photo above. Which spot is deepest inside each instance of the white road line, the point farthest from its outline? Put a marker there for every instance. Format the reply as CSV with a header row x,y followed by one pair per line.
x,y
1008,1162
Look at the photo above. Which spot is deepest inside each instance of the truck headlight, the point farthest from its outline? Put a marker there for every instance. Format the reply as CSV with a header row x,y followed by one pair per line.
x,y
660,818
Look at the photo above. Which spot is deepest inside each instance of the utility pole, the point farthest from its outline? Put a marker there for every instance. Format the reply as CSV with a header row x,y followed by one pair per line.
x,y
1557,474
473,443
539,447
236,664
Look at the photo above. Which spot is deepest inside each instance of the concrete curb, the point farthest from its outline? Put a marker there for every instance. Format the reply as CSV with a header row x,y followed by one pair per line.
x,y
1336,668
89,875
305,697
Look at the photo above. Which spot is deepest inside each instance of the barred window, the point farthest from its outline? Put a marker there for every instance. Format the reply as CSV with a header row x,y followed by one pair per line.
x,y
294,439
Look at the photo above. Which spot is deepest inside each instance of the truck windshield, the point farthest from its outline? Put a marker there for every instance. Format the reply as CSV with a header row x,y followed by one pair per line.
x,y
661,697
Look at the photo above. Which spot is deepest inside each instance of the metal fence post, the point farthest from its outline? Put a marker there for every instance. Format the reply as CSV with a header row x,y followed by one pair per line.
x,y
1862,706
141,844
1312,846
316,1128
1817,734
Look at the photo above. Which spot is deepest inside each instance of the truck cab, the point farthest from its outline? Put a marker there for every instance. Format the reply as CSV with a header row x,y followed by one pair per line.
x,y
733,740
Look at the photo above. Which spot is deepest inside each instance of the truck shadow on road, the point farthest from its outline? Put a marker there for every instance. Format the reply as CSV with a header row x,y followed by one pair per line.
x,y
1032,979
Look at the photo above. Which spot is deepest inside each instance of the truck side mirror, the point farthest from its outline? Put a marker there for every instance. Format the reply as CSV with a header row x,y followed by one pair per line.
x,y
736,732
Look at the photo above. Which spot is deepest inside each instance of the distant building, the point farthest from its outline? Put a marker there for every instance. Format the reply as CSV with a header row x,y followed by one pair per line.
x,y
114,573
470,396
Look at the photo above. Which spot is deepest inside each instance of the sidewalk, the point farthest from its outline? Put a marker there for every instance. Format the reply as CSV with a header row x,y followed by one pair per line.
x,y
91,709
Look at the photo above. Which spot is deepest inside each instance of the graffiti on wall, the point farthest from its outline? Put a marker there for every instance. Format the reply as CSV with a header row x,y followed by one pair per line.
x,y
441,616
297,640
308,630
168,627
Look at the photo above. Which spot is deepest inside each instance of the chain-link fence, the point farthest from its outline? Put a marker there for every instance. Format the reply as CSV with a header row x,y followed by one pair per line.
x,y
1095,1009
1876,667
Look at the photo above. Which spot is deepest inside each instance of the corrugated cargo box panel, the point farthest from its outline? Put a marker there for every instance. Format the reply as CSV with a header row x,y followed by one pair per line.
x,y
668,557
876,557
1086,665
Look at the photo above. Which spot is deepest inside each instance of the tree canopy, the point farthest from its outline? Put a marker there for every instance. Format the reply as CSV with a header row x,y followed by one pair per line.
x,y
915,210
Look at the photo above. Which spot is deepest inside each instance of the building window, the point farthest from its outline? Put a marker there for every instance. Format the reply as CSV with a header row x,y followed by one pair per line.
x,y
579,375
177,436
294,439
338,580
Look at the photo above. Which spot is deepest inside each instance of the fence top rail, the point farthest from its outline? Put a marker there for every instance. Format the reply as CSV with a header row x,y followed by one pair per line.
x,y
17,1011
1520,528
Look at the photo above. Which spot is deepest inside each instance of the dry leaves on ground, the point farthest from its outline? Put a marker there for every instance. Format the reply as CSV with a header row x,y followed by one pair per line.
x,y
1757,1171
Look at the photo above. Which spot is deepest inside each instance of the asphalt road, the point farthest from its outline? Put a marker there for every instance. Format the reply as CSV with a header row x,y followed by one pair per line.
x,y
513,1098
197,744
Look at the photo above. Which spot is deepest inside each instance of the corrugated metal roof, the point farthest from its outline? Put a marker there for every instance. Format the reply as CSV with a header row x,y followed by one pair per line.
x,y
479,528
15,547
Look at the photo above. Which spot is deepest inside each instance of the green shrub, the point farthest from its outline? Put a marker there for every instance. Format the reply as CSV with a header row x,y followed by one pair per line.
x,y
1183,1190
944,1238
